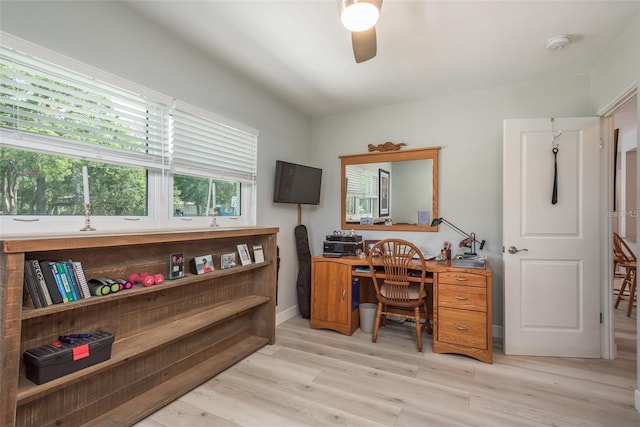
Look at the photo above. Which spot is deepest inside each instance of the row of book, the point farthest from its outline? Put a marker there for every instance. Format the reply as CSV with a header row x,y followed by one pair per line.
x,y
54,282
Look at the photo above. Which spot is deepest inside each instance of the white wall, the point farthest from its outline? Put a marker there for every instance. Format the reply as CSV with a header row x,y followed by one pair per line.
x,y
625,120
107,36
615,73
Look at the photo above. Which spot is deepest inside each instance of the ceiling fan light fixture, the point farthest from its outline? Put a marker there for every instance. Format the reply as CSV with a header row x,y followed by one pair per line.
x,y
359,15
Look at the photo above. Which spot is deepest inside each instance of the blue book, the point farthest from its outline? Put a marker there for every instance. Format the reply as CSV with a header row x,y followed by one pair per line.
x,y
58,273
71,279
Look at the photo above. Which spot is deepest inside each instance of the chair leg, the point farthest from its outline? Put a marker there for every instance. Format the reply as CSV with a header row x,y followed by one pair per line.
x,y
418,329
632,292
376,325
623,286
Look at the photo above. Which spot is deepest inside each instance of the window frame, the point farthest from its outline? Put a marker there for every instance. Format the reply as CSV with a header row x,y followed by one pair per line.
x,y
160,180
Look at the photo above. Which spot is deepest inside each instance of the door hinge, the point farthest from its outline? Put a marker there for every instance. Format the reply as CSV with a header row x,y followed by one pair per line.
x,y
600,317
601,143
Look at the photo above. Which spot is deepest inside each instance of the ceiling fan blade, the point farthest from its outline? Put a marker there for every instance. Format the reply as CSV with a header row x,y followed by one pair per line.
x,y
364,44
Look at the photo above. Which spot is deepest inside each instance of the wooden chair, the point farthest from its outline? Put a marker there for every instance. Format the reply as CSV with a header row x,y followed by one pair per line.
x,y
626,259
402,291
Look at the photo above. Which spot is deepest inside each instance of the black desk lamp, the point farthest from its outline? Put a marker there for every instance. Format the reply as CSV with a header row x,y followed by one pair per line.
x,y
470,238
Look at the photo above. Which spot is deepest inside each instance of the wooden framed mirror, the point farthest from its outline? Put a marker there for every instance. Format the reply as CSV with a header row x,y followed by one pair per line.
x,y
392,187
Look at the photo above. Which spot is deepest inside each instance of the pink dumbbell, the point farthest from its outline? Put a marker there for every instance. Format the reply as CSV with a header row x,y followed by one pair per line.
x,y
145,278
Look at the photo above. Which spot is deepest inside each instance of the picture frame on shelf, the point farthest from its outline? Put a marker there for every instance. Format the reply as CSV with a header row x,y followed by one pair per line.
x,y
228,260
202,264
176,265
245,257
384,189
368,244
423,217
258,254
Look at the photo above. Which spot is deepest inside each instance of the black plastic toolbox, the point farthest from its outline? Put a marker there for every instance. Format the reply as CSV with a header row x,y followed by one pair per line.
x,y
51,361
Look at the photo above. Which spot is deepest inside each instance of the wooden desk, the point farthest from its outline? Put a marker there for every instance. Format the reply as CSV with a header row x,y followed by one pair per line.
x,y
461,303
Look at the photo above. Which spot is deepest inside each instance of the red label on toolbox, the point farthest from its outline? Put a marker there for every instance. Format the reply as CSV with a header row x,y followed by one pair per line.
x,y
80,352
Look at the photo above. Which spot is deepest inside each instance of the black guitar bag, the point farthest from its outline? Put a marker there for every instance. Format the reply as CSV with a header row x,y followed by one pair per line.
x,y
304,274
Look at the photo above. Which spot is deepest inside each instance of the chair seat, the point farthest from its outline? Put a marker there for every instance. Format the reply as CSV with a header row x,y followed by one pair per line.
x,y
414,291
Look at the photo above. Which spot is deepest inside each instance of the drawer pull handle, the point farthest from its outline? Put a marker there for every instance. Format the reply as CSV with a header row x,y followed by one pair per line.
x,y
461,298
461,279
460,327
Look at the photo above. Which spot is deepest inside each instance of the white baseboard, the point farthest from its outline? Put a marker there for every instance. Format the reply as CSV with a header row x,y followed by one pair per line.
x,y
286,314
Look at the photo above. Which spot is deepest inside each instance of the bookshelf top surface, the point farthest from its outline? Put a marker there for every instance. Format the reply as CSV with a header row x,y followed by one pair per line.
x,y
78,240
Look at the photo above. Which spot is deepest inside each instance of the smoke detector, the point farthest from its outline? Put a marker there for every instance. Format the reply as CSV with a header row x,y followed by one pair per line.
x,y
558,42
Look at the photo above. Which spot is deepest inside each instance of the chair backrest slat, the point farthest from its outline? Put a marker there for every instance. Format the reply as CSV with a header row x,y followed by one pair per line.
x,y
398,258
621,250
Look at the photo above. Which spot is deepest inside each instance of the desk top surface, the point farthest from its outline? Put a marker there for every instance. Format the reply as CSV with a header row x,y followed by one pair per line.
x,y
432,266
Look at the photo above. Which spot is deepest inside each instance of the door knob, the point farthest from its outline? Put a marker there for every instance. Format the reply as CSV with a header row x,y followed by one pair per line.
x,y
514,250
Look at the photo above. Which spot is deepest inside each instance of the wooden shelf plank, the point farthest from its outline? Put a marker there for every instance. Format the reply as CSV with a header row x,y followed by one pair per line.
x,y
129,348
30,313
56,241
138,408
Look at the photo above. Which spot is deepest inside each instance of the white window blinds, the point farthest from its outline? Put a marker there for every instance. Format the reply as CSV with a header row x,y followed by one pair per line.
x,y
37,97
212,148
361,182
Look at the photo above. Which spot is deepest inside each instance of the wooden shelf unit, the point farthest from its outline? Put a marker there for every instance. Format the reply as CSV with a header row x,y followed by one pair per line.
x,y
169,338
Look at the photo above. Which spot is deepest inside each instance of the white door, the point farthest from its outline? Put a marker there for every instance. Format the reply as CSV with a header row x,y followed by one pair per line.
x,y
552,284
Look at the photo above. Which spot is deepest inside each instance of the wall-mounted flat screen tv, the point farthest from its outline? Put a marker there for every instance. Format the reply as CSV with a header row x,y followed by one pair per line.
x,y
297,184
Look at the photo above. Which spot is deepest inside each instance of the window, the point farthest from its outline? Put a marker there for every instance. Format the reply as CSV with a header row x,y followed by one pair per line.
x,y
212,162
138,147
362,193
193,196
44,184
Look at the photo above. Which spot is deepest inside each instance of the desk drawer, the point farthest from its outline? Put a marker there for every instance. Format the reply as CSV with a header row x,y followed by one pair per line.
x,y
462,297
460,327
467,279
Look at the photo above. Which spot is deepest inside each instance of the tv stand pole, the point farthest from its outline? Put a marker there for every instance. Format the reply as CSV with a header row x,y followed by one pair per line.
x,y
299,214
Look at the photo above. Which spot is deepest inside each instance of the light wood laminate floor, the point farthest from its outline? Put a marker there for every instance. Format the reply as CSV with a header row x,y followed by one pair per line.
x,y
319,377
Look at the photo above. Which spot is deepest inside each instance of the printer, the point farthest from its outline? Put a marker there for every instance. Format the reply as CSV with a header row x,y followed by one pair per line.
x,y
338,245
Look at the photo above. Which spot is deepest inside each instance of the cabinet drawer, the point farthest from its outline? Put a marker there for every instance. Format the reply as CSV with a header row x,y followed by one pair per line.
x,y
460,327
468,279
462,297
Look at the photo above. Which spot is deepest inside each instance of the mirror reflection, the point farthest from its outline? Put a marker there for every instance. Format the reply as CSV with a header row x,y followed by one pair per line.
x,y
396,190
386,191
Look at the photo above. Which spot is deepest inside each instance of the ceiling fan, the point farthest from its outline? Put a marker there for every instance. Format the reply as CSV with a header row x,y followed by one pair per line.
x,y
360,17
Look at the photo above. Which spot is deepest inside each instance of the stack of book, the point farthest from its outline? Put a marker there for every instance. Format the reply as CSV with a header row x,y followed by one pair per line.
x,y
54,282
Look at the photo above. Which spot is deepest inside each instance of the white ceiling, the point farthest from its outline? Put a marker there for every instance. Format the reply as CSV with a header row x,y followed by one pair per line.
x,y
299,50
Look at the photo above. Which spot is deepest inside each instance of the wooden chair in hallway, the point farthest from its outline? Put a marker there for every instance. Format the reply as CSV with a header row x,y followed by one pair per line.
x,y
402,292
626,259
